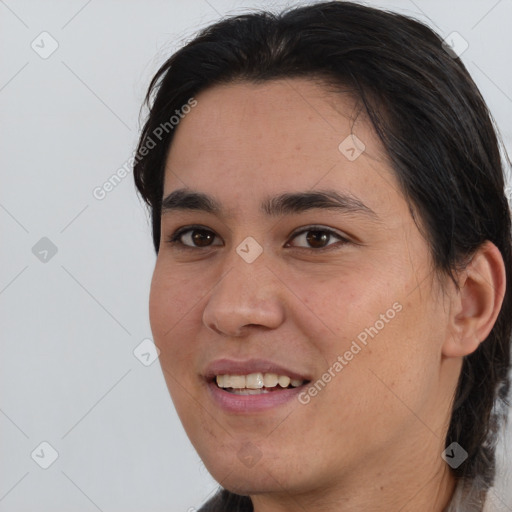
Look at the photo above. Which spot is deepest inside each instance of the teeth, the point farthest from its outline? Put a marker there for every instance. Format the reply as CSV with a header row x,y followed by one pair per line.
x,y
249,391
254,381
284,381
270,380
257,381
235,381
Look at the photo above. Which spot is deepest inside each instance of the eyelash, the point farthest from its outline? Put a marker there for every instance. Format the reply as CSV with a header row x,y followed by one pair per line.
x,y
174,239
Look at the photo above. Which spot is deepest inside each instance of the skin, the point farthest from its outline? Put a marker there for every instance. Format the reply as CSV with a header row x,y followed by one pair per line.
x,y
371,439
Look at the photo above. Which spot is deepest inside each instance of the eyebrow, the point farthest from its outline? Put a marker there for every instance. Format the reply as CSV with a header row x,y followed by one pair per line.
x,y
282,204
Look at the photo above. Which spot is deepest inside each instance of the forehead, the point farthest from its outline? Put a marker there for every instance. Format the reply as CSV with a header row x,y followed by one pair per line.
x,y
278,135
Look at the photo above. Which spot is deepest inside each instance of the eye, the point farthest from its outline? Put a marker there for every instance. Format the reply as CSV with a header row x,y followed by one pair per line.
x,y
192,237
318,237
196,237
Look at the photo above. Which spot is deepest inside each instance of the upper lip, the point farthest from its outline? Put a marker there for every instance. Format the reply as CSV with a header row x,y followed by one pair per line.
x,y
248,366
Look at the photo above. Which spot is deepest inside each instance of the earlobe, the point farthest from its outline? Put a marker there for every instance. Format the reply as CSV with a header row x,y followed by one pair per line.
x,y
475,307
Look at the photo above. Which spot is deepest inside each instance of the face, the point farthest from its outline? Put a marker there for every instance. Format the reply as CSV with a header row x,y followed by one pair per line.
x,y
334,290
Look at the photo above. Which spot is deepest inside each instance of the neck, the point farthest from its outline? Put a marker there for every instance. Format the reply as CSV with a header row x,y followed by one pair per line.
x,y
411,487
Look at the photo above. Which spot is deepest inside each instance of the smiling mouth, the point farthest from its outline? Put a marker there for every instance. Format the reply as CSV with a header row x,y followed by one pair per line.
x,y
256,383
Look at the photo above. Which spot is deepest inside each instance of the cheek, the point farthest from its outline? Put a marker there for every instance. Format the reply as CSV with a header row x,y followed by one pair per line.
x,y
388,338
171,299
353,306
172,308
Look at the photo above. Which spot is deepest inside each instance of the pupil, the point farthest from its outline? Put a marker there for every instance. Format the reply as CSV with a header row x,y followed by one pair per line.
x,y
319,236
201,238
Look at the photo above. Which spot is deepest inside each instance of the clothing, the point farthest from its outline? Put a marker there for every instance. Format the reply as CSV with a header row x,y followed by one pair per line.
x,y
472,496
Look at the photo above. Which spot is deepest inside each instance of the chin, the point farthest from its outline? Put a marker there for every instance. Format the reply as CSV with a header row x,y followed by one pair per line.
x,y
252,482
251,477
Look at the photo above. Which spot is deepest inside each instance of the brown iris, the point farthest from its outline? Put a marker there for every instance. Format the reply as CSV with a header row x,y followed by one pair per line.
x,y
317,238
202,238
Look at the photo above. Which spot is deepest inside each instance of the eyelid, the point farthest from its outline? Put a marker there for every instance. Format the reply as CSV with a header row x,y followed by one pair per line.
x,y
315,227
173,239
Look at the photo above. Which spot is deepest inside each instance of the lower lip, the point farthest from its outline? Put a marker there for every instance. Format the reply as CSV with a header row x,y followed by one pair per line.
x,y
251,403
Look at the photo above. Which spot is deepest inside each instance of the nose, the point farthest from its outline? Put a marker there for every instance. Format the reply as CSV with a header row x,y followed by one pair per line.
x,y
247,296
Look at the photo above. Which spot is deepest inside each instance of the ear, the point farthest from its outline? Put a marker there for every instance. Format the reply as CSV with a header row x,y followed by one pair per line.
x,y
477,304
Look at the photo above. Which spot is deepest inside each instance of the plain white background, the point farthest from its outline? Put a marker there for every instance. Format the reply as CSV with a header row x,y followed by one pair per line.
x,y
71,321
